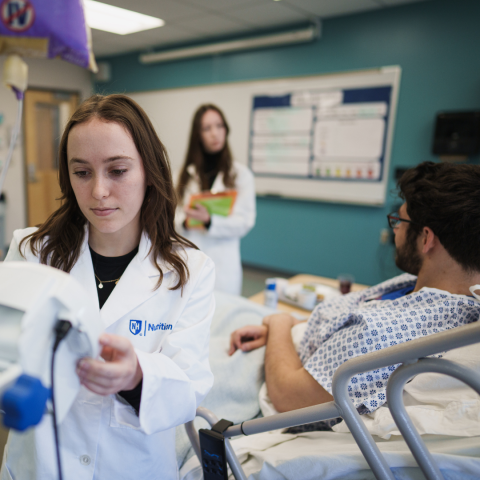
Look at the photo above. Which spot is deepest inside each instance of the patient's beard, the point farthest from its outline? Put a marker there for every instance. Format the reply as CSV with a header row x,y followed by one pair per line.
x,y
407,257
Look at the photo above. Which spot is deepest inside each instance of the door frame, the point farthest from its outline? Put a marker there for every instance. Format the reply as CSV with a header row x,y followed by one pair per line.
x,y
24,137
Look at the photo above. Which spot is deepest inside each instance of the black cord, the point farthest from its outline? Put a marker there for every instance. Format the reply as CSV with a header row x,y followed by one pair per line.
x,y
62,327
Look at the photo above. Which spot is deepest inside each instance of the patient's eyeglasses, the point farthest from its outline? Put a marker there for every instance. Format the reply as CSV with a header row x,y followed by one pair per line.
x,y
394,220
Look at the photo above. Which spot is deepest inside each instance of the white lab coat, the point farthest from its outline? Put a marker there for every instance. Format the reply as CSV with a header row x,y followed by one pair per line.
x,y
221,242
102,438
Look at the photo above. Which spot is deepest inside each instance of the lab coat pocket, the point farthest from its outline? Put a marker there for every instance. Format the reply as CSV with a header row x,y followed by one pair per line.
x,y
122,414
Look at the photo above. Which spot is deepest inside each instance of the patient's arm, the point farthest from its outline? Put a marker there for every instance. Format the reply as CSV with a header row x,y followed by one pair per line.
x,y
289,385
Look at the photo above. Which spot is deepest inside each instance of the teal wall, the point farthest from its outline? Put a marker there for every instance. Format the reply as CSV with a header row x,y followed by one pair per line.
x,y
437,45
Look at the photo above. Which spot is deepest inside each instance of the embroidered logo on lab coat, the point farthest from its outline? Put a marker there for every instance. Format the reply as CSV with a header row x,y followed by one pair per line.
x,y
135,326
159,326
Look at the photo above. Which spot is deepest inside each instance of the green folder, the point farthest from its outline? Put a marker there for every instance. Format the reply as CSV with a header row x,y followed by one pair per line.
x,y
216,204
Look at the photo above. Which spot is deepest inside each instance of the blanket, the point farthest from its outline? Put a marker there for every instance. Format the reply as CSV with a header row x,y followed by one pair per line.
x,y
335,456
238,378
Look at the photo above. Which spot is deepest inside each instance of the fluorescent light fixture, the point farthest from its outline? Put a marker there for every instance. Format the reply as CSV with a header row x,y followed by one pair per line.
x,y
298,36
118,20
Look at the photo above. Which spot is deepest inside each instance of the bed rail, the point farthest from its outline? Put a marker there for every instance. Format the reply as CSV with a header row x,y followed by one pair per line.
x,y
410,355
395,386
195,441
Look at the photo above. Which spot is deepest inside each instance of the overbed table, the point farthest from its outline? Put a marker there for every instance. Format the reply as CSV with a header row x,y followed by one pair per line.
x,y
304,278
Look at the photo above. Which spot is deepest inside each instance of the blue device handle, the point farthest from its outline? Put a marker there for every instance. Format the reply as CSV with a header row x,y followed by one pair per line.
x,y
24,403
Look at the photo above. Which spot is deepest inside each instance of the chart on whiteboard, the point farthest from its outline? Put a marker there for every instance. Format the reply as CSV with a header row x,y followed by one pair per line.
x,y
337,134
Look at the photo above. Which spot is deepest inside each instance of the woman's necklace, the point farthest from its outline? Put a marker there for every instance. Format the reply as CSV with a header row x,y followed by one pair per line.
x,y
100,284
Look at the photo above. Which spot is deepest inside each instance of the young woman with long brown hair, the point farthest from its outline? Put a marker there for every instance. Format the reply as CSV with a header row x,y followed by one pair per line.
x,y
115,234
209,166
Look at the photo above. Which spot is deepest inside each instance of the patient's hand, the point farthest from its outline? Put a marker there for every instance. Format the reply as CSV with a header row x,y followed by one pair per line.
x,y
248,338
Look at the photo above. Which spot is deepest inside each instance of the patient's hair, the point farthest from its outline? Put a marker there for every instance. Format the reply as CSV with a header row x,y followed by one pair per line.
x,y
446,198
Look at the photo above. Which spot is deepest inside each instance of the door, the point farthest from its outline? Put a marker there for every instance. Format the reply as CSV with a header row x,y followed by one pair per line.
x,y
46,113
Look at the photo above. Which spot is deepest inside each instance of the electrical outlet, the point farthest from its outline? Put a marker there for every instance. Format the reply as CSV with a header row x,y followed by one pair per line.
x,y
384,236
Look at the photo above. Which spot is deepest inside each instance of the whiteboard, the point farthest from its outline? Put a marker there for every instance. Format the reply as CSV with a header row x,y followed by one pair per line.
x,y
344,158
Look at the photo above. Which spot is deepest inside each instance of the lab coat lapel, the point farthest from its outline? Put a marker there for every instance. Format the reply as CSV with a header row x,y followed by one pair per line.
x,y
83,271
136,285
218,185
193,186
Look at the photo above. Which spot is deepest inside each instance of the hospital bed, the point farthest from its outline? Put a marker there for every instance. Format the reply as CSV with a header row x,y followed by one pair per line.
x,y
354,455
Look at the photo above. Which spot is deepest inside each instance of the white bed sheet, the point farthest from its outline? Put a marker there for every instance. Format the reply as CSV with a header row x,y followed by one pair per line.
x,y
332,456
238,378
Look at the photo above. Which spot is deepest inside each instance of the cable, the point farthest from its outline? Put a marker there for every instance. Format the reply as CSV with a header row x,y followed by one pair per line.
x,y
13,141
62,327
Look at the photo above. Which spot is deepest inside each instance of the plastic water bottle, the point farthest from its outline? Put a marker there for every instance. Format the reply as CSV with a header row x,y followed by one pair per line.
x,y
271,296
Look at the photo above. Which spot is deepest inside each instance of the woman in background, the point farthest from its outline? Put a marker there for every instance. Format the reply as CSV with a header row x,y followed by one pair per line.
x,y
209,167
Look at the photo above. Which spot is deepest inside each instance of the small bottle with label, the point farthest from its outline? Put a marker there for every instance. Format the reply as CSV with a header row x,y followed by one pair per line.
x,y
271,296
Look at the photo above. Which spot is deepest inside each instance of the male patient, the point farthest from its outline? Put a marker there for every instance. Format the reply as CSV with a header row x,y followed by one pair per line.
x,y
437,237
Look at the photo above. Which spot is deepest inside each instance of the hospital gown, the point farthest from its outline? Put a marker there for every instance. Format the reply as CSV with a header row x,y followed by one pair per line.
x,y
358,323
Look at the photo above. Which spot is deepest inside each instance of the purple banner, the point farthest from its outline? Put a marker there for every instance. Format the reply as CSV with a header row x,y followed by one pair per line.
x,y
61,22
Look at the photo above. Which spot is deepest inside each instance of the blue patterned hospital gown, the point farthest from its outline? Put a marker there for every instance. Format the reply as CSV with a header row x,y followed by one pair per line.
x,y
352,325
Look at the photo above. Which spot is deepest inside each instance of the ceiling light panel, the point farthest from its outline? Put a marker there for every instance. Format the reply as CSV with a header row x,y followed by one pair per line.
x,y
107,44
118,20
168,10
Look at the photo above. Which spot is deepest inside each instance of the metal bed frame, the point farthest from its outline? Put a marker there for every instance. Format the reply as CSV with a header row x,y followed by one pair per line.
x,y
411,355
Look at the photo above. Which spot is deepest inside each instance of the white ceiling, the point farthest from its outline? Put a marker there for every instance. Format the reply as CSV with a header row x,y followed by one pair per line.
x,y
198,21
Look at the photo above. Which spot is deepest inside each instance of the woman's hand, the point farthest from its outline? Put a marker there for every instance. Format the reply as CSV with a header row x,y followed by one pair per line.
x,y
248,338
120,370
199,212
